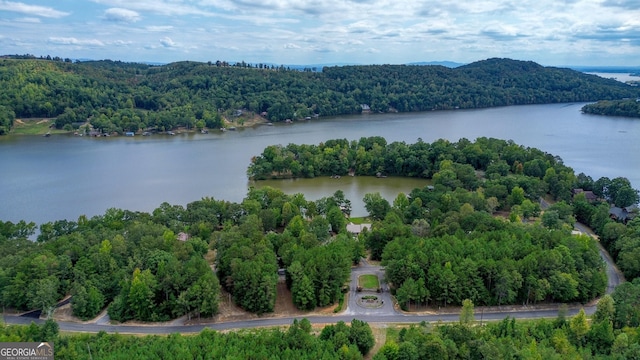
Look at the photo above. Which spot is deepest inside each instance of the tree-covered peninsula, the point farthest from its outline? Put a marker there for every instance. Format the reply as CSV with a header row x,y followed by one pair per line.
x,y
111,96
627,108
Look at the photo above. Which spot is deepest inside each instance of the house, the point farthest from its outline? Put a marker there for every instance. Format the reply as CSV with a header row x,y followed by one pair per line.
x,y
618,214
589,195
356,229
623,214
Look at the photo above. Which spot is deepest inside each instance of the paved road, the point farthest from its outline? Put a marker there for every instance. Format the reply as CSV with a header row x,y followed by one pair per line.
x,y
614,275
384,314
395,318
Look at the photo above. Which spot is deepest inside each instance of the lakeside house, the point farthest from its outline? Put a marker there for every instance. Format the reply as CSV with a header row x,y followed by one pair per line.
x,y
623,214
356,229
589,195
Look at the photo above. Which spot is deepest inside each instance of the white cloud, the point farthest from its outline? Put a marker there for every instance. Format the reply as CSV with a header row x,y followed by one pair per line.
x,y
167,42
74,41
164,7
33,10
353,31
155,28
120,43
30,20
121,15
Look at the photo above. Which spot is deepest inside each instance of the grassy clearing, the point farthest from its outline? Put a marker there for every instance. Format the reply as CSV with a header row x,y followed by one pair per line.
x,y
33,127
360,220
368,281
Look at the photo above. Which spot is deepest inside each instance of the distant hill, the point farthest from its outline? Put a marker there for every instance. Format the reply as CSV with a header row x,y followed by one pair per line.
x,y
119,96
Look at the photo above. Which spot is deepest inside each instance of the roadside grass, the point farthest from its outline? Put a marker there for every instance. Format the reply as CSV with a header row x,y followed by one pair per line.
x,y
340,304
368,281
393,332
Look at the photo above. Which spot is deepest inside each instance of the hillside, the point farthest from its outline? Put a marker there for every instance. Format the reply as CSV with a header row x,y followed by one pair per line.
x,y
116,96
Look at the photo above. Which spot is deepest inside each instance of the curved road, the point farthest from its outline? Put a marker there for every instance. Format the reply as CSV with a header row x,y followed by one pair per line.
x,y
614,276
384,314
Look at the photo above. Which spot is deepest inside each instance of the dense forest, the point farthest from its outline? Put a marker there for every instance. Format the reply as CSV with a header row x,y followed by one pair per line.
x,y
117,97
158,266
298,341
628,108
612,332
441,244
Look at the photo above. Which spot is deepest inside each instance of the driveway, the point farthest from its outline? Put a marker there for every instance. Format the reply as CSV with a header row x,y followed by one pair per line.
x,y
356,310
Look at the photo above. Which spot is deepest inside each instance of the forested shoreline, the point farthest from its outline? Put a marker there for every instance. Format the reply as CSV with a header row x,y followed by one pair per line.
x,y
626,108
111,96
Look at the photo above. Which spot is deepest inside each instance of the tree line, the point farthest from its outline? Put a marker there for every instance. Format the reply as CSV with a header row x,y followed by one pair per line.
x,y
115,96
503,163
298,341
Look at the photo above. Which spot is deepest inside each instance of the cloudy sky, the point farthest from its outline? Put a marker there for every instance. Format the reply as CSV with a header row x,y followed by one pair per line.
x,y
550,32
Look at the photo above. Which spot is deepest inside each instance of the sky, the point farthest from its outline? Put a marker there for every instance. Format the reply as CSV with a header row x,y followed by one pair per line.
x,y
550,32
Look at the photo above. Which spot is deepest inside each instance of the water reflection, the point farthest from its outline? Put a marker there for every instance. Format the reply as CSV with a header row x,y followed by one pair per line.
x,y
354,188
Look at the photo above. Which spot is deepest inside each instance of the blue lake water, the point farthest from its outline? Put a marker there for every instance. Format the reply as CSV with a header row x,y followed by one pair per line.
x,y
63,177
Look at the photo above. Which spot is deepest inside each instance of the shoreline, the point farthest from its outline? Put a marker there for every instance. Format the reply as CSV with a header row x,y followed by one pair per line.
x,y
43,127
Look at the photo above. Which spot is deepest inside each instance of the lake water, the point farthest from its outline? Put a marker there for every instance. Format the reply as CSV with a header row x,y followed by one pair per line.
x,y
622,77
63,177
